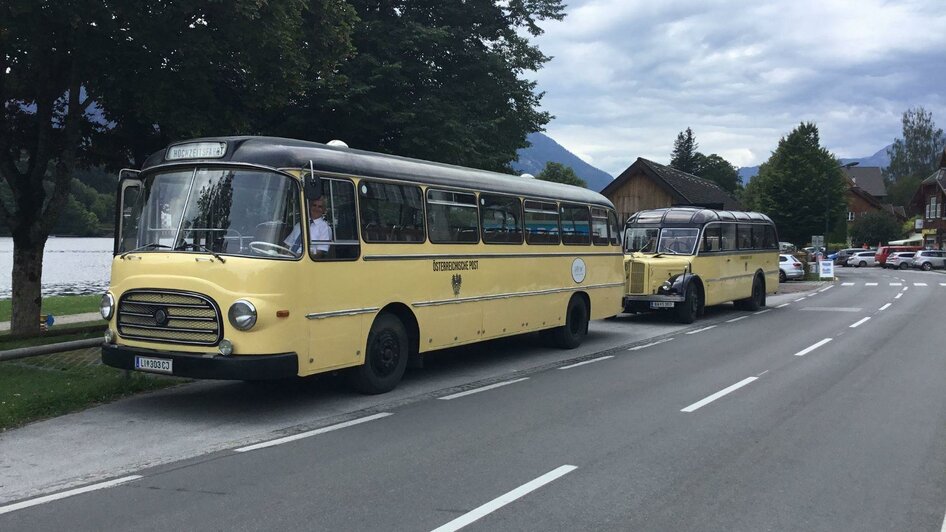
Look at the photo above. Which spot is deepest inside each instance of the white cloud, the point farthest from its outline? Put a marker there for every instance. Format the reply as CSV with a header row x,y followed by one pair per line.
x,y
627,76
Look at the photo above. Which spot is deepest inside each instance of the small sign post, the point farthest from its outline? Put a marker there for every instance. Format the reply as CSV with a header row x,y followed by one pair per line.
x,y
827,269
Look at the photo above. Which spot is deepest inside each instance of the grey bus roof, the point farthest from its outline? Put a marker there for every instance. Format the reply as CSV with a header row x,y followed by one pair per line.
x,y
693,216
277,152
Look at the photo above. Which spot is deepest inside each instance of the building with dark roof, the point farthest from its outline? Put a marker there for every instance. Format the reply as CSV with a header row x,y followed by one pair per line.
x,y
648,185
929,199
870,179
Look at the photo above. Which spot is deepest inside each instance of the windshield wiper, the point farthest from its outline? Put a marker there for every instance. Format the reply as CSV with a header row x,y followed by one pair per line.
x,y
150,245
200,247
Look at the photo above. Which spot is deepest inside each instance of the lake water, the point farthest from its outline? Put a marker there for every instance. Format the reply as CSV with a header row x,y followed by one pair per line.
x,y
70,266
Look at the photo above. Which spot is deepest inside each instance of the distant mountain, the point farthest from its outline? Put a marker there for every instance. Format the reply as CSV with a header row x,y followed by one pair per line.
x,y
543,149
879,159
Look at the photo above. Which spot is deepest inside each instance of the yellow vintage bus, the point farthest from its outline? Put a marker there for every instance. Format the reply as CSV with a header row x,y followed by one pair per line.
x,y
259,258
685,258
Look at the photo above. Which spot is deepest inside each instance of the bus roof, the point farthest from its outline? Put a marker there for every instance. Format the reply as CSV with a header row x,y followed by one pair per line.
x,y
693,216
274,152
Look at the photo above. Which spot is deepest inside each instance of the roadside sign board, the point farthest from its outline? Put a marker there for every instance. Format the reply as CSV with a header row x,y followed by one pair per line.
x,y
817,241
827,269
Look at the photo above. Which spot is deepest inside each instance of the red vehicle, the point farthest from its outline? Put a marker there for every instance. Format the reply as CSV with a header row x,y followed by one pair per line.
x,y
884,251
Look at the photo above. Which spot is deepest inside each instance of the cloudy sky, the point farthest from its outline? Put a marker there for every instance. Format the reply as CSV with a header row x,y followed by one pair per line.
x,y
628,75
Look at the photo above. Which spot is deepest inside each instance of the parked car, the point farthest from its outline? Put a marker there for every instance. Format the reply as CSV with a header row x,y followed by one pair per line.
x,y
844,254
899,260
928,259
789,268
862,258
884,251
786,247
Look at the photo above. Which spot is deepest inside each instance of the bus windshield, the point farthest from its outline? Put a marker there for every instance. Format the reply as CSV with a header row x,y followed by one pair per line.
x,y
673,241
213,210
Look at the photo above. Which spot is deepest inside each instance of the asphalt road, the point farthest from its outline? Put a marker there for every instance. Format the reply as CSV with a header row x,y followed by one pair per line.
x,y
825,411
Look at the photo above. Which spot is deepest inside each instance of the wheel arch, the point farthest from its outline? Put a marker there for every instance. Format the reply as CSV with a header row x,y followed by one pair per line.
x,y
409,320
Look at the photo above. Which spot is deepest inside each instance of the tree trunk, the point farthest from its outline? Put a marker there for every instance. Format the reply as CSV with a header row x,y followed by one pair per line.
x,y
27,279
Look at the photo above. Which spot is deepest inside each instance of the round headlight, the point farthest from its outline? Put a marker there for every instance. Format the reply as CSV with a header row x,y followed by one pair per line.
x,y
666,286
107,306
242,315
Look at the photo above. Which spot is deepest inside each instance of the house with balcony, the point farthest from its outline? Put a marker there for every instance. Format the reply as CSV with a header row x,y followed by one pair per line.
x,y
929,199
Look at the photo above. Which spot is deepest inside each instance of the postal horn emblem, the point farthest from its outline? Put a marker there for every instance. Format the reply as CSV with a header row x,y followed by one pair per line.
x,y
161,317
456,282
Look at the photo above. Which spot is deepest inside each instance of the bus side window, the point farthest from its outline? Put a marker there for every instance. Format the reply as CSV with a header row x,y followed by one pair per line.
x,y
501,219
729,236
711,238
758,235
576,225
541,222
452,217
744,236
615,229
599,226
770,241
339,198
391,212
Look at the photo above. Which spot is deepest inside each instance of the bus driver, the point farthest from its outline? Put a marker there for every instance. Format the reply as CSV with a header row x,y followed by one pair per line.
x,y
320,233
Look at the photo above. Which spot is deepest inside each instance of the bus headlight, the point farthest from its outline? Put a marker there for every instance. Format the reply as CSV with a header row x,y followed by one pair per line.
x,y
107,306
666,286
242,315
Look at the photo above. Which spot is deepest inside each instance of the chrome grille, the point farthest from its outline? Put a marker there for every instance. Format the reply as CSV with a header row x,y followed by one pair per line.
x,y
168,316
636,278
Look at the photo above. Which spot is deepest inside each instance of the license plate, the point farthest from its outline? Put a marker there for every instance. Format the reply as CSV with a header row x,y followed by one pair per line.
x,y
157,365
661,304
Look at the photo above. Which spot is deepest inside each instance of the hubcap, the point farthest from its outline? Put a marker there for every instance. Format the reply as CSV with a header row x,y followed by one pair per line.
x,y
387,353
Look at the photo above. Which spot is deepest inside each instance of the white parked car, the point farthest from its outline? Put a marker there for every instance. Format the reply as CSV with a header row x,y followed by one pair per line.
x,y
789,268
862,258
899,260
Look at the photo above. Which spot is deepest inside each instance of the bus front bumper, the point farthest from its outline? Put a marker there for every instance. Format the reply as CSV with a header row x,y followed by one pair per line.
x,y
202,366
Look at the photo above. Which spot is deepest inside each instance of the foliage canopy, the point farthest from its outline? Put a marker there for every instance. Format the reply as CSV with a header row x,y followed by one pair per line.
x,y
559,173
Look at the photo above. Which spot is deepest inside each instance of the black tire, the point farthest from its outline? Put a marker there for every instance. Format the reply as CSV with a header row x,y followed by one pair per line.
x,y
927,266
756,300
570,335
781,276
386,357
903,265
688,309
861,263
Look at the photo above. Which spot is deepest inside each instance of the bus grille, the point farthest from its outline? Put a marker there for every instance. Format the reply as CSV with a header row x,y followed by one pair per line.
x,y
169,316
636,278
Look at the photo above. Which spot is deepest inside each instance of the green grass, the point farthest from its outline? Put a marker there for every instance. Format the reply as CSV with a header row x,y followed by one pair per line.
x,y
6,344
30,393
57,305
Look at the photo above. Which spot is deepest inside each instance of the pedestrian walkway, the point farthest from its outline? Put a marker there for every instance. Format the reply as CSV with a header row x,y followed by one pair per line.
x,y
68,318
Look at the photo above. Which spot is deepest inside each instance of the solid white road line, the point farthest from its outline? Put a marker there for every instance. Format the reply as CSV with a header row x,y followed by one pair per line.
x,y
736,319
919,284
703,329
483,389
310,433
503,500
762,311
829,287
898,295
650,344
942,284
847,284
592,361
799,299
885,307
703,402
870,284
860,322
783,305
896,284
809,349
56,496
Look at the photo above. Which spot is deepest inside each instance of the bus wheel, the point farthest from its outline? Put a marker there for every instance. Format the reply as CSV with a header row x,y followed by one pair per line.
x,y
385,357
757,299
688,309
575,329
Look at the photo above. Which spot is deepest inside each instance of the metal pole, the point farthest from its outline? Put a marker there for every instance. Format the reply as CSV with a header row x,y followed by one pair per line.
x,y
25,352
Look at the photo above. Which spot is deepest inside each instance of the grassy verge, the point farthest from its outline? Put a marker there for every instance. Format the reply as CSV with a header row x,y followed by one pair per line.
x,y
80,334
30,392
57,305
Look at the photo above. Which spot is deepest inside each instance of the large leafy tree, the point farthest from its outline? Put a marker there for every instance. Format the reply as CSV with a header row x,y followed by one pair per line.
x,y
436,80
875,228
718,170
89,81
917,152
560,173
800,186
684,154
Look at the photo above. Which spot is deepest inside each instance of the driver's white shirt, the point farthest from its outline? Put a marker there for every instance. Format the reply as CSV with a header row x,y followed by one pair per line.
x,y
320,235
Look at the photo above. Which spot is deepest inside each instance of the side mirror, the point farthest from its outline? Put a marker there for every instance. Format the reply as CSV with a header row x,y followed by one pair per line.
x,y
313,187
